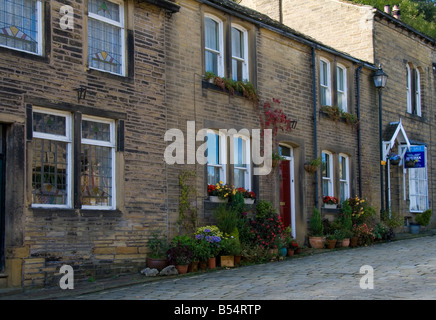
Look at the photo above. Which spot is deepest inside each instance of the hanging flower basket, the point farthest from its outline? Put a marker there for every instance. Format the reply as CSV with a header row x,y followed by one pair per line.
x,y
410,164
310,168
395,162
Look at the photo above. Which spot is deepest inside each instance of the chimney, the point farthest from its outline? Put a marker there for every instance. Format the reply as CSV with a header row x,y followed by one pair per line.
x,y
388,9
396,11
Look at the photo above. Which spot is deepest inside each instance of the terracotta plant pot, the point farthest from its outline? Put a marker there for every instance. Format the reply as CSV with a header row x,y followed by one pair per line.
x,y
316,242
182,268
331,243
155,263
346,242
237,259
290,252
211,263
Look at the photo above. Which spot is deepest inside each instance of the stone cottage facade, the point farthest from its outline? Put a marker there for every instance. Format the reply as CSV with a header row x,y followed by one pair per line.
x,y
408,58
95,95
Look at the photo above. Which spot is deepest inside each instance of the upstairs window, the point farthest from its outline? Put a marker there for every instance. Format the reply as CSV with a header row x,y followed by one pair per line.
x,y
239,54
341,81
413,90
106,36
21,25
214,45
325,83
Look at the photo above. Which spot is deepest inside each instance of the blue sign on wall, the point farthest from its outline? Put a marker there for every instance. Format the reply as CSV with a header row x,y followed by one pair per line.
x,y
417,154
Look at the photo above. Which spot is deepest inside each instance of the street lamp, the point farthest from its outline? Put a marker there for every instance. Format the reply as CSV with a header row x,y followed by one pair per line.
x,y
380,79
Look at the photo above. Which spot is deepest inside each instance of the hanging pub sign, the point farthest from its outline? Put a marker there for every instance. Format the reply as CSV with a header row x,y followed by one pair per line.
x,y
415,157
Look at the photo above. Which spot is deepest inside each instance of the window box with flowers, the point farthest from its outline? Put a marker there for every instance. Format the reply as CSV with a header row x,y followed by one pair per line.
x,y
330,202
249,196
394,159
219,192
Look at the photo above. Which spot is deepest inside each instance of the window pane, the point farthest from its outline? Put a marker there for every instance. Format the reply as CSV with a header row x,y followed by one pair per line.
x,y
104,46
49,172
49,123
239,178
96,175
19,24
325,165
96,130
213,150
211,62
237,70
239,152
211,34
237,43
323,75
323,96
213,175
105,9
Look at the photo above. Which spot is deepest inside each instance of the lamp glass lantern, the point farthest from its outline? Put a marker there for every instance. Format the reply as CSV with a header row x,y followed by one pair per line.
x,y
380,78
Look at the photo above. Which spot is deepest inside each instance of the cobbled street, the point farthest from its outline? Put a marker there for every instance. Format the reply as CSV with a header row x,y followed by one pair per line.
x,y
403,269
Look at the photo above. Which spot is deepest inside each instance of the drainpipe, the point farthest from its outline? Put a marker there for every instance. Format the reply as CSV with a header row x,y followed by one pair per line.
x,y
315,138
359,137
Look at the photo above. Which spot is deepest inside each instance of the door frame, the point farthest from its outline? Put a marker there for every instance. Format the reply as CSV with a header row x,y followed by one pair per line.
x,y
292,185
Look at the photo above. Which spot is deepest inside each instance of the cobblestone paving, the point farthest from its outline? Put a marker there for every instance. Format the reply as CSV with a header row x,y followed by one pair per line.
x,y
403,269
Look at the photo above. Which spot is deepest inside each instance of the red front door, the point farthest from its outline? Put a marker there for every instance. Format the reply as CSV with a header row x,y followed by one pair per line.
x,y
285,192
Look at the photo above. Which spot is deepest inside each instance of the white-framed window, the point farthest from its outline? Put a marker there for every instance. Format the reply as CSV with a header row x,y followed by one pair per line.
x,y
216,157
409,88
418,188
52,159
341,81
327,174
241,162
344,177
106,36
417,92
97,173
325,83
213,45
21,25
239,53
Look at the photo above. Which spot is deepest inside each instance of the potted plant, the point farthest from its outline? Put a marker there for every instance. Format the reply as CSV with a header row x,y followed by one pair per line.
x,y
330,202
347,236
421,219
313,165
158,244
249,196
212,236
410,162
229,248
180,255
316,237
209,77
219,192
201,253
331,241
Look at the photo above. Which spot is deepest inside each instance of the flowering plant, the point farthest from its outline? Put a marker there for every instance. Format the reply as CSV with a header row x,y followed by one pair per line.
x,y
393,156
364,232
220,190
267,230
212,236
330,200
246,194
180,254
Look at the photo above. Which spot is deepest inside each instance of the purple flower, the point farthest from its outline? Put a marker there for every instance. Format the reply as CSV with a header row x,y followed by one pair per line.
x,y
206,230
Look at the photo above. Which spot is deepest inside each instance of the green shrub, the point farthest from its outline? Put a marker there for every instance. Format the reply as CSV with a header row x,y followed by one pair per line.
x,y
423,218
316,226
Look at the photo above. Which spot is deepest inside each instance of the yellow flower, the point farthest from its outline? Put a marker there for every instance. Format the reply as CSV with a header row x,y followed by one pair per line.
x,y
221,182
